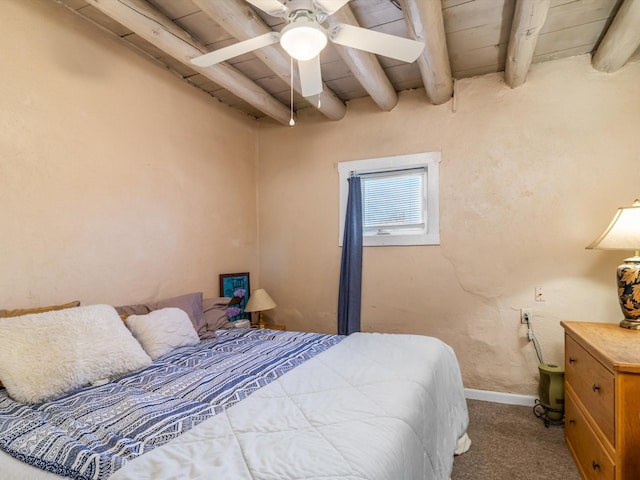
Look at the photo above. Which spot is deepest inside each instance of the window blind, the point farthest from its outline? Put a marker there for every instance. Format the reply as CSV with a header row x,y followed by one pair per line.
x,y
394,200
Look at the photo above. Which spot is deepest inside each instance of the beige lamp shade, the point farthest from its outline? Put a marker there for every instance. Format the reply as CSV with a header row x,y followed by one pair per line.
x,y
623,233
259,301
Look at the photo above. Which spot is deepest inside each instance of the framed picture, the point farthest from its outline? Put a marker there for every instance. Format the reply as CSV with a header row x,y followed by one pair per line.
x,y
236,286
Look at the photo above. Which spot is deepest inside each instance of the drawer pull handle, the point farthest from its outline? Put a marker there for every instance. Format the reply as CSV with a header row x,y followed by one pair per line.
x,y
572,360
595,465
572,422
595,387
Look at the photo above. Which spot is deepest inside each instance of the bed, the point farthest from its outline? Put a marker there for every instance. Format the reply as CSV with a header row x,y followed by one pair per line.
x,y
245,404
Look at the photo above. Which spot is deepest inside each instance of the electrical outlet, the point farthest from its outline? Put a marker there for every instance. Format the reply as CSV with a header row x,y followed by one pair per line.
x,y
526,315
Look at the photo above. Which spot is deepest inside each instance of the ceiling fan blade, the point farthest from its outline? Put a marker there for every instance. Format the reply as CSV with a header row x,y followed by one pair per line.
x,y
271,7
330,6
236,49
376,42
310,76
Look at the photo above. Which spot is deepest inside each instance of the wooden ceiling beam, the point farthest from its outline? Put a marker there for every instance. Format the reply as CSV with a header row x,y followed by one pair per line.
x,y
425,23
150,24
621,40
238,19
365,66
528,20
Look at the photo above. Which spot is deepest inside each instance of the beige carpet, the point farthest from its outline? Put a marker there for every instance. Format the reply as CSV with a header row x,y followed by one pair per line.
x,y
508,442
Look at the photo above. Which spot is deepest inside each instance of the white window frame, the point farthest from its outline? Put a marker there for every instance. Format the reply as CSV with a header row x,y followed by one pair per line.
x,y
428,160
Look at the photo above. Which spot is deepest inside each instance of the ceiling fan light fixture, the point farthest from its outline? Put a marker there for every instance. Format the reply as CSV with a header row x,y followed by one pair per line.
x,y
303,41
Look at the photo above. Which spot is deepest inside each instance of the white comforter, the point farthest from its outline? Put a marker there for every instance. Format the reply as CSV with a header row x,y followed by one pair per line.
x,y
375,407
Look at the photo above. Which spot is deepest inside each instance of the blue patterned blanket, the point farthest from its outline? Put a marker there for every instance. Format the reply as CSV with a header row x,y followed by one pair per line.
x,y
92,432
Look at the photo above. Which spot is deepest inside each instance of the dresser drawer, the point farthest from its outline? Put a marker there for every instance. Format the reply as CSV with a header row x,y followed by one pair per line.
x,y
593,384
590,455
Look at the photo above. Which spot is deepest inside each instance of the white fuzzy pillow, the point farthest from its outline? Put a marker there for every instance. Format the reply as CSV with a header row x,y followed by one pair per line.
x,y
163,330
45,355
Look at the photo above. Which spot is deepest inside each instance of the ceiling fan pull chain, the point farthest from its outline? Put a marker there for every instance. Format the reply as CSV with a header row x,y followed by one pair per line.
x,y
292,122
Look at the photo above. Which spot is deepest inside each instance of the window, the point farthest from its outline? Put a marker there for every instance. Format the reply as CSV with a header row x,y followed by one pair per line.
x,y
399,199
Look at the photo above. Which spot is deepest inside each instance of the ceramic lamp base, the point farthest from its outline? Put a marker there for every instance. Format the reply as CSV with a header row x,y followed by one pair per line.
x,y
628,275
630,324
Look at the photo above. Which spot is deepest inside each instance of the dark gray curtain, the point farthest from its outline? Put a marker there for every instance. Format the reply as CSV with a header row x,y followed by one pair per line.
x,y
350,293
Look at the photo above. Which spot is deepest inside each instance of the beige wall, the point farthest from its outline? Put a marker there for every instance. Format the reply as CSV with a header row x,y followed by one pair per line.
x,y
120,182
528,176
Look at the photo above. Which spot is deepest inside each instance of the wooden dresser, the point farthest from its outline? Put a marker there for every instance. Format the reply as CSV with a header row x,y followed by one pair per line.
x,y
602,399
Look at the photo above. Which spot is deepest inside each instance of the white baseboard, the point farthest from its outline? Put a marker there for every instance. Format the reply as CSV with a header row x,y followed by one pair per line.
x,y
500,397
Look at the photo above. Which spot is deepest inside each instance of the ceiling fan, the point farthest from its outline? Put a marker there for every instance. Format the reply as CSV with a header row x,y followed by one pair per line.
x,y
304,38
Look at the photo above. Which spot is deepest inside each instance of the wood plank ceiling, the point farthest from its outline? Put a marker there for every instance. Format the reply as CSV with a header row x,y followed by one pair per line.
x,y
463,38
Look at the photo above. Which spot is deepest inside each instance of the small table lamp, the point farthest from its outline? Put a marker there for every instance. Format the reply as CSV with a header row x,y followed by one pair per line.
x,y
623,233
259,301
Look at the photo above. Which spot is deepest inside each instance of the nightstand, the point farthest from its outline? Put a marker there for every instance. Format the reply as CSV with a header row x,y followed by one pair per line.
x,y
602,384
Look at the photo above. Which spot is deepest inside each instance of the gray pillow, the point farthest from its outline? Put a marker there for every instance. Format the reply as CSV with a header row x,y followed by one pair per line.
x,y
215,315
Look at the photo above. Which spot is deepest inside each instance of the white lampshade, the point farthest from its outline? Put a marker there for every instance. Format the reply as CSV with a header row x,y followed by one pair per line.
x,y
623,233
259,301
303,40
